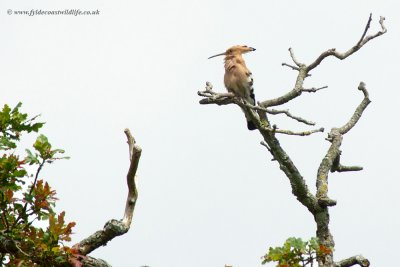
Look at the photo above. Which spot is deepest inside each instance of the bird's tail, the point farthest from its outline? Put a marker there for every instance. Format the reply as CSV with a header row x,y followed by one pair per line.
x,y
250,125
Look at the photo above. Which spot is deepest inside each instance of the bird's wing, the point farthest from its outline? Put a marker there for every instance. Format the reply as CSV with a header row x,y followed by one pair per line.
x,y
249,87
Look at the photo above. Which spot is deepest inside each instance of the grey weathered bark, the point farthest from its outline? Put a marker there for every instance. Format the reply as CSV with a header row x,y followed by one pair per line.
x,y
114,228
360,260
319,203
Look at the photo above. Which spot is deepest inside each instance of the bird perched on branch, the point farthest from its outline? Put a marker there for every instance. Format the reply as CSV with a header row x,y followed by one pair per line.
x,y
238,79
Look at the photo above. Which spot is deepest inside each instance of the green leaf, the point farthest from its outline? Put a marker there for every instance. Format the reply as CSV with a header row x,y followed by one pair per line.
x,y
19,173
293,252
37,126
15,109
5,117
313,243
296,243
43,146
28,198
6,143
275,253
61,151
31,158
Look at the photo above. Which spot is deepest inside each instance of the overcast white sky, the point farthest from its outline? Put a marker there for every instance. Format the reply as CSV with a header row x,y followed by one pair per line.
x,y
209,193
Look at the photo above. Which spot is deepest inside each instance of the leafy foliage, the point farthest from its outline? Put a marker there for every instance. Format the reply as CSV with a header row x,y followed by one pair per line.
x,y
296,253
26,199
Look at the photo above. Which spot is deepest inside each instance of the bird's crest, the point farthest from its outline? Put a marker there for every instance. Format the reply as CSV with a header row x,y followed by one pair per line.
x,y
235,50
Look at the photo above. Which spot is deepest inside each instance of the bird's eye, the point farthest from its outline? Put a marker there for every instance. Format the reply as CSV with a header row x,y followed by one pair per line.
x,y
245,46
229,51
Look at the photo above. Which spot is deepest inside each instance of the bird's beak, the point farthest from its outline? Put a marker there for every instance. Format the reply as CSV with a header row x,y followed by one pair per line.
x,y
252,49
221,54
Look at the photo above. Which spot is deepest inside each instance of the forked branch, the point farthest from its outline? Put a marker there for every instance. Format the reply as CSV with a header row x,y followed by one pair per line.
x,y
304,70
331,161
212,97
363,40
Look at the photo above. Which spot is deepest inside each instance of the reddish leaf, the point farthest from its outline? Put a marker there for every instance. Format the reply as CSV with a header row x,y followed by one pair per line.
x,y
324,249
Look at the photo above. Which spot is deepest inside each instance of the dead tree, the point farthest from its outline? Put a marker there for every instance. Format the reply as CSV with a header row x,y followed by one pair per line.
x,y
317,203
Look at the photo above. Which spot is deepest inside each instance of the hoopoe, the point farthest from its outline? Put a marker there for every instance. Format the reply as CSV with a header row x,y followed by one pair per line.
x,y
238,78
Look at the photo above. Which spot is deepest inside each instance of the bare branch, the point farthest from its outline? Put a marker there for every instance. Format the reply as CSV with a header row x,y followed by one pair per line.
x,y
326,202
297,182
217,100
288,132
135,153
290,66
212,97
215,96
268,148
275,112
383,30
332,159
294,68
342,168
355,48
304,70
265,145
295,92
327,162
358,112
257,108
313,90
93,262
209,86
113,227
366,29
359,259
287,113
337,167
294,58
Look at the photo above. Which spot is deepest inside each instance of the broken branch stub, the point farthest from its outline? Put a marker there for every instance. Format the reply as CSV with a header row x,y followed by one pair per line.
x,y
114,228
